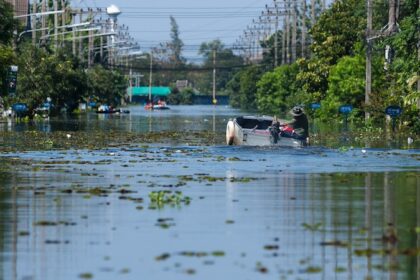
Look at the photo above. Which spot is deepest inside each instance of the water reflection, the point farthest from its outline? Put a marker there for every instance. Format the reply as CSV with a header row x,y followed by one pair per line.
x,y
255,213
267,221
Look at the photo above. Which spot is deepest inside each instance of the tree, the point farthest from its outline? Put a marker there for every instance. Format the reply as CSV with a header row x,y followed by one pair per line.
x,y
336,34
7,58
176,44
338,29
7,23
216,55
7,26
346,85
268,46
243,88
275,90
43,76
106,86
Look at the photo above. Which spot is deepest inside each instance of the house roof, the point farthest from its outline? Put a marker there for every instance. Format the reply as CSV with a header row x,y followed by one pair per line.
x,y
144,91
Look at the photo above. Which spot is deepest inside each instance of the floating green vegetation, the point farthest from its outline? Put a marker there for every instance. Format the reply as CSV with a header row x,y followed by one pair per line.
x,y
52,223
261,268
163,257
271,247
368,252
201,254
313,269
158,199
211,178
336,243
86,275
165,223
242,179
190,271
340,269
37,140
313,227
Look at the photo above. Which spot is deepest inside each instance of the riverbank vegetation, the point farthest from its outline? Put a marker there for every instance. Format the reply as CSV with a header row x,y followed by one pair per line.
x,y
334,73
327,68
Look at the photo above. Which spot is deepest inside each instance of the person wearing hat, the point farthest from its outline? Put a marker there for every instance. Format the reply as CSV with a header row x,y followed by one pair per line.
x,y
299,127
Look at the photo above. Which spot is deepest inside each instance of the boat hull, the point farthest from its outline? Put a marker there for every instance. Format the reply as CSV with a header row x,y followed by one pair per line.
x,y
254,131
156,107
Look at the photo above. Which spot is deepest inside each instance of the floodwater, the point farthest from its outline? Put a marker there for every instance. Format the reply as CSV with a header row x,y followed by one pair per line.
x,y
179,210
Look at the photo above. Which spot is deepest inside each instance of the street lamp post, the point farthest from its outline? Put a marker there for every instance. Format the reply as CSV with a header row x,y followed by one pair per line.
x,y
150,77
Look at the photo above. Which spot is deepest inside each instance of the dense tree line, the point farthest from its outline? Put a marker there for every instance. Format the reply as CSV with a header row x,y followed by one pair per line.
x,y
334,74
48,74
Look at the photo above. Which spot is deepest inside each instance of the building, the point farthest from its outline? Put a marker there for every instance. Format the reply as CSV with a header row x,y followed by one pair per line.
x,y
141,94
21,7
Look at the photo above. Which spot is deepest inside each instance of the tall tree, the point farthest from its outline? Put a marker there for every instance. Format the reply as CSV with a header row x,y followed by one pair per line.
x,y
217,55
7,23
176,44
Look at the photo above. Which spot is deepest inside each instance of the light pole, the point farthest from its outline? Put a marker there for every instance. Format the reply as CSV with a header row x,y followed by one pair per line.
x,y
113,12
150,76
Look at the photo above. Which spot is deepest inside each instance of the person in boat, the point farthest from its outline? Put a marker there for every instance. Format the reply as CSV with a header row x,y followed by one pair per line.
x,y
298,128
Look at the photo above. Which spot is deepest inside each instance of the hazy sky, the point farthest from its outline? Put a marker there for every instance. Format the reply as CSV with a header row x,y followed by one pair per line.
x,y
199,21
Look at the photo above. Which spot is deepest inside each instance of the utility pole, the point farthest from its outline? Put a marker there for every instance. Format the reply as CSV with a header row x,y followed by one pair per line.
x,y
150,76
418,71
55,24
214,77
63,18
294,34
74,34
368,86
78,33
33,20
313,19
283,43
43,20
303,17
276,30
287,34
90,41
392,17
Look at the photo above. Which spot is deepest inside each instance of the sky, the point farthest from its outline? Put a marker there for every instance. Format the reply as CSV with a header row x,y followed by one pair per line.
x,y
199,21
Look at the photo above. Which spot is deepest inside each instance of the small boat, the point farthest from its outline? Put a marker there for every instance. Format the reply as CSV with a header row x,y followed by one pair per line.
x,y
20,110
156,107
105,109
255,131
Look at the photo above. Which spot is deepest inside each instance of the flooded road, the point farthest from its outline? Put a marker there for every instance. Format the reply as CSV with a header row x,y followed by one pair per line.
x,y
178,209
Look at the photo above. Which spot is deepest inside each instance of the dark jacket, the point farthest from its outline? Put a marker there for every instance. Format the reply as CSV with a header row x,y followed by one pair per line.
x,y
300,126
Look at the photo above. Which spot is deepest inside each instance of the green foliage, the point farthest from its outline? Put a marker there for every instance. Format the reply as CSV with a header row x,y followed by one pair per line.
x,y
268,46
338,29
313,78
346,85
41,75
274,90
185,97
7,23
176,44
105,85
334,35
7,58
243,88
225,60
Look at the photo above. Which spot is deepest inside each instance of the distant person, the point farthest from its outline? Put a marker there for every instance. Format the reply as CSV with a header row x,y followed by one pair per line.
x,y
298,128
